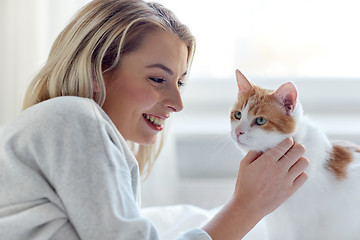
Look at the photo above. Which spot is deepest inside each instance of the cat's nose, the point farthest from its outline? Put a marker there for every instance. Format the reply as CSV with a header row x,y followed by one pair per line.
x,y
239,133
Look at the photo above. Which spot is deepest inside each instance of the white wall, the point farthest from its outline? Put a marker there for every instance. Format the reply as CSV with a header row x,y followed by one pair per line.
x,y
28,29
21,24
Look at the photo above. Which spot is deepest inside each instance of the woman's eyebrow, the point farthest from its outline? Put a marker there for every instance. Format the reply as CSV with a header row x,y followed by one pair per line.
x,y
163,67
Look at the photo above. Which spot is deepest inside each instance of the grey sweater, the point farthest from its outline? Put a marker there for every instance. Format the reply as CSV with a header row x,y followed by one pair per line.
x,y
67,173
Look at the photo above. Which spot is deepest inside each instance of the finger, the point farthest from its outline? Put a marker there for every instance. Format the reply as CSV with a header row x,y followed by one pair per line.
x,y
278,151
299,167
299,181
293,155
250,157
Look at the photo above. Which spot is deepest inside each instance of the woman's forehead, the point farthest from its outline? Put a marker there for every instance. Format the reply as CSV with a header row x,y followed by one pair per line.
x,y
161,48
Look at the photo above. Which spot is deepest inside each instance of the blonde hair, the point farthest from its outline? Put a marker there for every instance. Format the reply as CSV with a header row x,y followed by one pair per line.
x,y
93,43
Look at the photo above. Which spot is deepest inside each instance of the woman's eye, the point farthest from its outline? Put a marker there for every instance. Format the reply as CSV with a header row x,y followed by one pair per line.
x,y
181,84
157,80
260,121
237,115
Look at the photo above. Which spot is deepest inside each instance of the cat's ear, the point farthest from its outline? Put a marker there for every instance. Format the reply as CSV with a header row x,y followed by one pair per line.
x,y
286,94
243,84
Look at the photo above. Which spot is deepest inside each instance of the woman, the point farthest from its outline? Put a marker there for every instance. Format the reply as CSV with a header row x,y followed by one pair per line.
x,y
113,77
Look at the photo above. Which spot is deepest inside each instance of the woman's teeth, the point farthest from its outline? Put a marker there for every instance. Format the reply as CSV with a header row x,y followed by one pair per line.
x,y
154,120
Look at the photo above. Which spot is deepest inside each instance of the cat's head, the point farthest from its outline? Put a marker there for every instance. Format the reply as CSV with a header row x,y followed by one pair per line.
x,y
262,118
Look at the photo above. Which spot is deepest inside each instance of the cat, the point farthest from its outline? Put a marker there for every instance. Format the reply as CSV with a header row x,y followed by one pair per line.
x,y
327,206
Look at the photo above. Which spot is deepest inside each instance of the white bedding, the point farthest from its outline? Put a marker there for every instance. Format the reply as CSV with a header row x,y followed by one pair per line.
x,y
170,221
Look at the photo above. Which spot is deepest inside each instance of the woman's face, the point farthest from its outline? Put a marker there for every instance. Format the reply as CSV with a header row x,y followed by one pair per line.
x,y
145,88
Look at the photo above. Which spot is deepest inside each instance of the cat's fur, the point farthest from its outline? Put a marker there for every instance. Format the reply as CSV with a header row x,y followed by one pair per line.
x,y
327,206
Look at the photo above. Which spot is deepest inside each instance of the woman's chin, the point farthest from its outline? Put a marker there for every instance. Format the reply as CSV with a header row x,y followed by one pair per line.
x,y
147,140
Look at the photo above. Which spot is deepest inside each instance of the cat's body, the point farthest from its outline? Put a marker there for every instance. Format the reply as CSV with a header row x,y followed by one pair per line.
x,y
327,206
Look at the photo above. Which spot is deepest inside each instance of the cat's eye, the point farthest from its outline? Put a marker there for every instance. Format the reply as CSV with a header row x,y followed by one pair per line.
x,y
260,121
237,115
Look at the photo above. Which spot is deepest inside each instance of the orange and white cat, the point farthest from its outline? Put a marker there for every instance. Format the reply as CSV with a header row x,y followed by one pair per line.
x,y
327,206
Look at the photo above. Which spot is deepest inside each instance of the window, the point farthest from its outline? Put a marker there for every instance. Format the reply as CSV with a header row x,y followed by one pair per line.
x,y
313,43
273,38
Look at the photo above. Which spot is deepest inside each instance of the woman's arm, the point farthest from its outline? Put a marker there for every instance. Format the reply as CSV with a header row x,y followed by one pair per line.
x,y
264,182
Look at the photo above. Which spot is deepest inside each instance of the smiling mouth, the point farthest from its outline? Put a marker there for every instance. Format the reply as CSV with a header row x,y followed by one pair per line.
x,y
154,122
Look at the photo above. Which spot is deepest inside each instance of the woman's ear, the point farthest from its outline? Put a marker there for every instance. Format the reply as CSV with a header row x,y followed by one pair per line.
x,y
286,94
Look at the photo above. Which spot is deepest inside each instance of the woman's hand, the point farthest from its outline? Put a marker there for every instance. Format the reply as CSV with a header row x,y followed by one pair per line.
x,y
264,182
270,178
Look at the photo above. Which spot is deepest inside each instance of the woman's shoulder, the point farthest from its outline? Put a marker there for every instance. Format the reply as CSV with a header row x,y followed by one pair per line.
x,y
63,118
80,118
63,109
64,106
59,113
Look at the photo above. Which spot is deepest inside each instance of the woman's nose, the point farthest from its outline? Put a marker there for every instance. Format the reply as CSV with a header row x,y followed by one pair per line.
x,y
173,100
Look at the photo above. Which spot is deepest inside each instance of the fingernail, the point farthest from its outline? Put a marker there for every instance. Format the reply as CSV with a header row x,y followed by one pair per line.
x,y
290,140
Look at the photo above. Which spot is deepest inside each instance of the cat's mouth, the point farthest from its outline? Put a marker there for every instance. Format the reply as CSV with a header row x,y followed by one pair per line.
x,y
242,144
